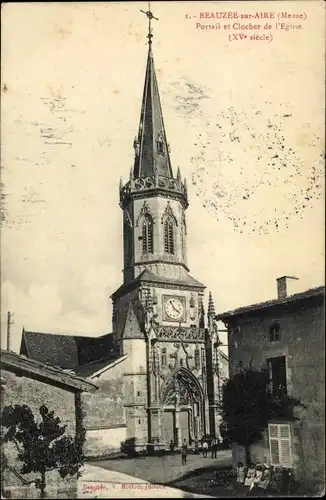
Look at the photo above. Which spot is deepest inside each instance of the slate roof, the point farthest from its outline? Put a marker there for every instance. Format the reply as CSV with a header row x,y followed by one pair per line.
x,y
290,299
151,127
149,277
65,351
132,328
15,363
89,369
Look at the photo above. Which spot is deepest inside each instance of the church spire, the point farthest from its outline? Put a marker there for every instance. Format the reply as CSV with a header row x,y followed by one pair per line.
x,y
151,148
152,171
211,312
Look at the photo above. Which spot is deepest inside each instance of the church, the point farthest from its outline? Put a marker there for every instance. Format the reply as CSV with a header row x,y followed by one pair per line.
x,y
161,369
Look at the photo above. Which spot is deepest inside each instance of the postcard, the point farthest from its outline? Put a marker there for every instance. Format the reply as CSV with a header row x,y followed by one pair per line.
x,y
162,248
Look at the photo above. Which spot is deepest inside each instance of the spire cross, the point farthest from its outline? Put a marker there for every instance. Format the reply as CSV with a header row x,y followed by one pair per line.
x,y
150,16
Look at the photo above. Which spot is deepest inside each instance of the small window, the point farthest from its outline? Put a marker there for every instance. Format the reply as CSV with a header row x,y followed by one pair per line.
x,y
274,332
280,445
160,147
160,144
139,421
138,393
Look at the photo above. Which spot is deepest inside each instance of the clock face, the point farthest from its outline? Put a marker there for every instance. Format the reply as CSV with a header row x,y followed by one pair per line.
x,y
174,308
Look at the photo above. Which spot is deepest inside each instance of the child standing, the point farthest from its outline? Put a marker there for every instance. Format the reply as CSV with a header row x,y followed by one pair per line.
x,y
205,448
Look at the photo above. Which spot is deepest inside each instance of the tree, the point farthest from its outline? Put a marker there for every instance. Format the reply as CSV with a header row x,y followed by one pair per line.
x,y
42,445
247,405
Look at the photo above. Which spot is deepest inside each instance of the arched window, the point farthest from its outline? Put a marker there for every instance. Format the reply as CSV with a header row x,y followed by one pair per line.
x,y
274,332
147,234
169,236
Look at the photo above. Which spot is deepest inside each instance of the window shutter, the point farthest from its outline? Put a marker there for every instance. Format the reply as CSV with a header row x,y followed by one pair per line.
x,y
274,444
273,431
275,452
285,439
280,445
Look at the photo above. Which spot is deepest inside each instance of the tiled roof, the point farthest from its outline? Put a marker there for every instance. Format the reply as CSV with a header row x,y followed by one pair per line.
x,y
13,362
149,277
308,294
65,351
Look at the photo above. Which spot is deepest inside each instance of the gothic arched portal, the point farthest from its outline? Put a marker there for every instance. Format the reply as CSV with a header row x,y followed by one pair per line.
x,y
182,403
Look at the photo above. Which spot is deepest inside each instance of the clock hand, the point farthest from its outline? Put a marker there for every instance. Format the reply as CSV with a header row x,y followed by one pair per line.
x,y
174,307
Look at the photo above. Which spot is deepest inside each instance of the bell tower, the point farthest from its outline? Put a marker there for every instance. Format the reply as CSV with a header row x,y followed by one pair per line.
x,y
158,316
153,200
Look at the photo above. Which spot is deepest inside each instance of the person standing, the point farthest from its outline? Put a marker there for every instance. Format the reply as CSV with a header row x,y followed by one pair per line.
x,y
205,448
196,446
214,447
184,452
172,447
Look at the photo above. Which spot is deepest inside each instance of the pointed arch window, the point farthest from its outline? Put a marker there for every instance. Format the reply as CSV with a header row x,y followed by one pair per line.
x,y
147,234
169,236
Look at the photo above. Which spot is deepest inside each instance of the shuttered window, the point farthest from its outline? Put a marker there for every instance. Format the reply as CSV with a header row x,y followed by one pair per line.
x,y
147,234
169,236
280,445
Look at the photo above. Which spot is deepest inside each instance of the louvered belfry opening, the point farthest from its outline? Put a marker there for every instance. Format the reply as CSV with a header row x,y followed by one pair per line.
x,y
169,236
147,236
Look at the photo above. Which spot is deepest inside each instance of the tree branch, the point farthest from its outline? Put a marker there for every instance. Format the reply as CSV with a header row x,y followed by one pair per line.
x,y
20,450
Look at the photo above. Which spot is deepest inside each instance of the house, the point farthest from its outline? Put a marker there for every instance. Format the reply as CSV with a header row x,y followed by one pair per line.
x,y
30,382
286,335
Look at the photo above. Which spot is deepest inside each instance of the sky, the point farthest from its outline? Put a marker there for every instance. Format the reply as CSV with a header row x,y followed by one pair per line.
x,y
245,123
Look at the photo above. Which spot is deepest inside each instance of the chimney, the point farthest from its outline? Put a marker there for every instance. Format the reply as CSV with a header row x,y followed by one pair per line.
x,y
282,286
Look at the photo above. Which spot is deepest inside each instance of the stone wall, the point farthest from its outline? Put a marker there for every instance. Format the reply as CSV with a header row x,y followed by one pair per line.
x,y
101,442
105,412
302,342
22,390
135,386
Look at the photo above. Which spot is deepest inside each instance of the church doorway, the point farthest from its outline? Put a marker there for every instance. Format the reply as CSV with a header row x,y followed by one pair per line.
x,y
184,422
169,426
183,409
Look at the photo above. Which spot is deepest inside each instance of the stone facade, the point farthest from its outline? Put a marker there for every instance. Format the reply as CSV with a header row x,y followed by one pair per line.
x,y
172,387
105,419
159,371
290,328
